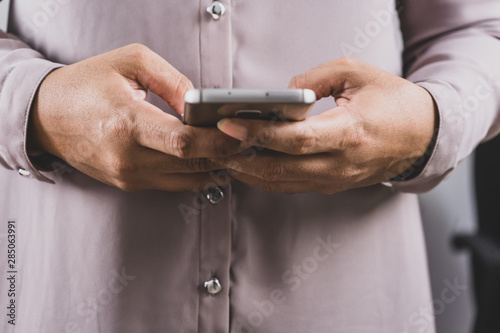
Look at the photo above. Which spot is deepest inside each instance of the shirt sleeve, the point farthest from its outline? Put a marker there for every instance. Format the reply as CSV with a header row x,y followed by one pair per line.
x,y
22,69
452,49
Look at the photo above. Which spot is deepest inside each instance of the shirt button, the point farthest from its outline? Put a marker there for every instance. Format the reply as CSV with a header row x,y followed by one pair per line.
x,y
216,9
215,196
213,286
24,172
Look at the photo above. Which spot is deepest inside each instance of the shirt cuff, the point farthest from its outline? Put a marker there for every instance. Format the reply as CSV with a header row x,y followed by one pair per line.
x,y
441,159
17,96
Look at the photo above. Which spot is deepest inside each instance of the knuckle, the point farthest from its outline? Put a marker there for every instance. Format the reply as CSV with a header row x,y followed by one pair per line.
x,y
275,187
265,136
329,191
119,126
357,135
180,143
225,147
347,175
328,188
126,186
272,172
268,187
354,134
299,81
199,164
138,52
304,142
347,61
182,85
121,168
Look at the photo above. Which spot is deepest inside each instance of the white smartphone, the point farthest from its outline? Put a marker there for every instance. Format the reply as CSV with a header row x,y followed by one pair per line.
x,y
205,107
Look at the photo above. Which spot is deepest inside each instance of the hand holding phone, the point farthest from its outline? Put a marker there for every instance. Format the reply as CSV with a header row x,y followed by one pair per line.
x,y
206,107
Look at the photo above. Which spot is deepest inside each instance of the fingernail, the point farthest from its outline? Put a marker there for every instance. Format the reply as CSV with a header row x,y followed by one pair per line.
x,y
234,130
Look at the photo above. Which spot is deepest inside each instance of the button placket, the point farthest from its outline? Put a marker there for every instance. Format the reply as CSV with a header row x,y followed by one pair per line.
x,y
215,259
215,44
215,216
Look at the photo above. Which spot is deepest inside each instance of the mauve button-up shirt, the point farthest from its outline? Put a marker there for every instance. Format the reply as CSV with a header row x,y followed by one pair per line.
x,y
92,258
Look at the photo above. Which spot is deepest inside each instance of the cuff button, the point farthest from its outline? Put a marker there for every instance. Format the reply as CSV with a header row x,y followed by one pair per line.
x,y
24,172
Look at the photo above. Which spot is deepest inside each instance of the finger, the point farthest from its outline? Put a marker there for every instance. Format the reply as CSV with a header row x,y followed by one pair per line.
x,y
175,182
274,166
335,129
170,173
158,130
335,77
150,169
187,182
156,74
278,186
153,162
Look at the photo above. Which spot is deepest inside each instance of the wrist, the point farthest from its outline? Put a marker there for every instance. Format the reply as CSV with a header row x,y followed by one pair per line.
x,y
418,165
36,136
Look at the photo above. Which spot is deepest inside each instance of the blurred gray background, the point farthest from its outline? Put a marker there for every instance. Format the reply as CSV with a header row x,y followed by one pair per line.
x,y
448,209
3,13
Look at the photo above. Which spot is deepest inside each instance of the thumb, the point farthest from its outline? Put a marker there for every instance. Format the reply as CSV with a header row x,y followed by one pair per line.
x,y
333,78
156,74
